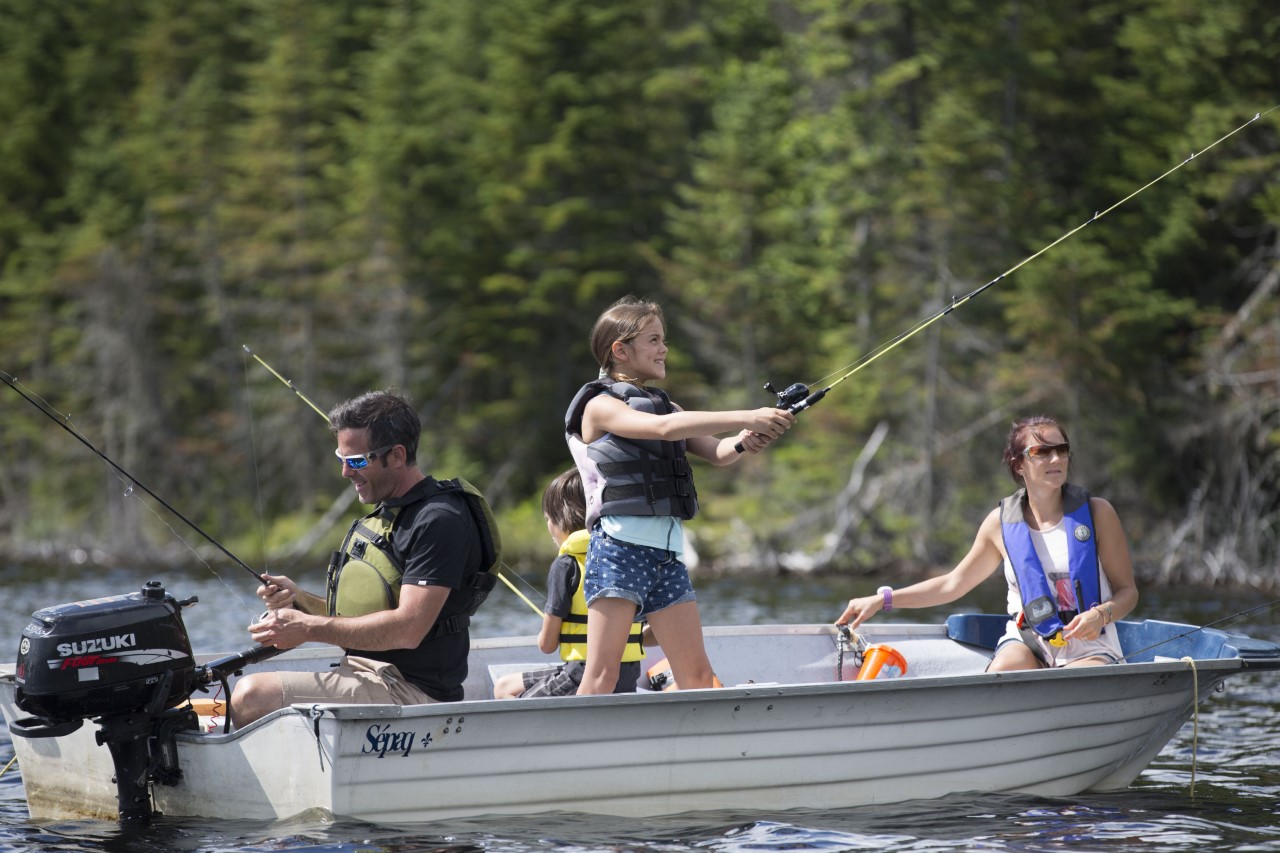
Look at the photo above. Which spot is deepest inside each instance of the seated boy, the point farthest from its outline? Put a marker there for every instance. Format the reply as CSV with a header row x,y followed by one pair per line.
x,y
564,622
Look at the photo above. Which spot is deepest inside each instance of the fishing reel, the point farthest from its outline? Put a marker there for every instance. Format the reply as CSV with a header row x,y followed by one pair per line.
x,y
794,393
795,399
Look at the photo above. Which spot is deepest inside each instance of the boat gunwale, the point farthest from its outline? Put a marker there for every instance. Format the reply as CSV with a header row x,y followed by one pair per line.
x,y
1219,669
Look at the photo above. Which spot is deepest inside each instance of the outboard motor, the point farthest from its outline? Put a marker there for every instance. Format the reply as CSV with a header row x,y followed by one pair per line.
x,y
124,661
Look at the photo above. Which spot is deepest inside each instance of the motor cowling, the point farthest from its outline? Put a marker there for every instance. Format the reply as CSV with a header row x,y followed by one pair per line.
x,y
105,657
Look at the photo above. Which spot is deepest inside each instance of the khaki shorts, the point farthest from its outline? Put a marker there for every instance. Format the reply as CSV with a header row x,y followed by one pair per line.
x,y
354,681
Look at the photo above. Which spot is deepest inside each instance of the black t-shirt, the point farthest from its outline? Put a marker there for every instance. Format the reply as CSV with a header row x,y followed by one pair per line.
x,y
562,583
437,544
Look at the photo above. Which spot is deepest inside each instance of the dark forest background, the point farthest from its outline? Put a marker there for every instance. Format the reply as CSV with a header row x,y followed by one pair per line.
x,y
442,196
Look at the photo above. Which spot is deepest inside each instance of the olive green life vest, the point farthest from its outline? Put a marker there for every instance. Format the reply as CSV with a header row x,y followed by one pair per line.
x,y
365,575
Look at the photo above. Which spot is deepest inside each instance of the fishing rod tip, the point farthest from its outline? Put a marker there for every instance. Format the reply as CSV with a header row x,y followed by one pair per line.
x,y
246,349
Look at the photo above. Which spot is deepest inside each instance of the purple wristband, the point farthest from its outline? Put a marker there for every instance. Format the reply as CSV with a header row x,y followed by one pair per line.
x,y
886,593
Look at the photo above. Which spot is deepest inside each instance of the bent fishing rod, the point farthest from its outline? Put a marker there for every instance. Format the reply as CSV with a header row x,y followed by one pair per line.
x,y
798,397
52,415
317,410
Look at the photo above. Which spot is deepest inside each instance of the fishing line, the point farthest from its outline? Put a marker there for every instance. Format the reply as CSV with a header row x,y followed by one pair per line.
x,y
64,422
502,575
798,397
257,478
1231,619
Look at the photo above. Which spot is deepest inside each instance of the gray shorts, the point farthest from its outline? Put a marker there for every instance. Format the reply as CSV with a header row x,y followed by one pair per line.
x,y
563,680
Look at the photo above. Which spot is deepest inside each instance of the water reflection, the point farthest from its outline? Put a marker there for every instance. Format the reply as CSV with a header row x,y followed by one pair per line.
x,y
1236,754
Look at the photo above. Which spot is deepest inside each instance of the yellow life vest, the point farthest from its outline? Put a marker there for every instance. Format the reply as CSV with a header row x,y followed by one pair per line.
x,y
365,576
573,631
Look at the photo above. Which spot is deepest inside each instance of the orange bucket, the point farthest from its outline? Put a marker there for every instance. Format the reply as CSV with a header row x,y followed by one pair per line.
x,y
881,658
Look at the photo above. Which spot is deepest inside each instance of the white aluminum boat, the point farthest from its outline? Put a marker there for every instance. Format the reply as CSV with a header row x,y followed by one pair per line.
x,y
791,728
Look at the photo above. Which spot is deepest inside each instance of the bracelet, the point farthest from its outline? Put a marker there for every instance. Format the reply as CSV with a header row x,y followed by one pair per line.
x,y
886,595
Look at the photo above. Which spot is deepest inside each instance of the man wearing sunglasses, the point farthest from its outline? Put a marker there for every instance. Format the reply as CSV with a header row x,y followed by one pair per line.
x,y
399,593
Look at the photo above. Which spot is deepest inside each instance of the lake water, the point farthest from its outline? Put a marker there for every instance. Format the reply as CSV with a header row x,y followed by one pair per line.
x,y
1236,753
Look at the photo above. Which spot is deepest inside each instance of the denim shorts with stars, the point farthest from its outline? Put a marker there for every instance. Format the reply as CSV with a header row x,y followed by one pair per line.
x,y
652,579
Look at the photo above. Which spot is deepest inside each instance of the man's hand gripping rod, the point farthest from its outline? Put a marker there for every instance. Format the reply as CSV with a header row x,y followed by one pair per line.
x,y
795,399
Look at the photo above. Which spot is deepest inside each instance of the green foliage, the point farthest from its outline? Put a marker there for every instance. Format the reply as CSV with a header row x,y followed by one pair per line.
x,y
441,197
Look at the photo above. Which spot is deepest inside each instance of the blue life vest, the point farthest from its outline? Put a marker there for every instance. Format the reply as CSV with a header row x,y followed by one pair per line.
x,y
1039,600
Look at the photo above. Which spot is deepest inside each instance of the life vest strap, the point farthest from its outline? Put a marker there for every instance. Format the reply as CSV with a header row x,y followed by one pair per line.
x,y
449,625
1029,635
653,492
652,467
635,638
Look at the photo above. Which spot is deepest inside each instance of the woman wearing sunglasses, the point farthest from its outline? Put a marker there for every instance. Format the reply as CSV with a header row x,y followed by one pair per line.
x,y
1065,559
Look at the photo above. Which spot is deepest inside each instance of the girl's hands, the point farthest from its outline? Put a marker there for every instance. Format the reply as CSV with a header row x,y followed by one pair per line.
x,y
769,421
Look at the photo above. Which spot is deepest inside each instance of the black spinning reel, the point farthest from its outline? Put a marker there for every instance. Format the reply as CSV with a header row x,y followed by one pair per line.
x,y
795,399
794,393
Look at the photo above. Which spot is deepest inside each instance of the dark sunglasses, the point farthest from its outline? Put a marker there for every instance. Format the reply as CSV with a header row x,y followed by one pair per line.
x,y
355,463
1042,452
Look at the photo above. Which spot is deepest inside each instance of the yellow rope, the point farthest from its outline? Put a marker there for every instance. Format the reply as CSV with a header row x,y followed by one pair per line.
x,y
503,577
1195,717
10,764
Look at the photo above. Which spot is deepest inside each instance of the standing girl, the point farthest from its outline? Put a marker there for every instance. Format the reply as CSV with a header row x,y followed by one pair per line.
x,y
630,444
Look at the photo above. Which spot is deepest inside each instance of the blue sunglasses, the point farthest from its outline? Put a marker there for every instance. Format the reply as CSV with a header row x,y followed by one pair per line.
x,y
362,460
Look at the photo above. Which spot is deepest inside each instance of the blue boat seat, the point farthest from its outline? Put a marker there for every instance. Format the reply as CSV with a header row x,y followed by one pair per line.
x,y
983,630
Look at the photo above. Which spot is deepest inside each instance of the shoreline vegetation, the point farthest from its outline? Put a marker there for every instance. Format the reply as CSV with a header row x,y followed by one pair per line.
x,y
439,197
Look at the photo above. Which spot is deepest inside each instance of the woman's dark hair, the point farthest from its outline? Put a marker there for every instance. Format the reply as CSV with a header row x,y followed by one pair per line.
x,y
1024,433
564,503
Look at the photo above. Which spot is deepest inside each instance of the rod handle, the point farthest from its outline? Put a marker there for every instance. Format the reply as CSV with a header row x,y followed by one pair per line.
x,y
795,409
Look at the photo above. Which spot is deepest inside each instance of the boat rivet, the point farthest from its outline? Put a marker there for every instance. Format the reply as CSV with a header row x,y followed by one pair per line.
x,y
770,708
458,729
737,707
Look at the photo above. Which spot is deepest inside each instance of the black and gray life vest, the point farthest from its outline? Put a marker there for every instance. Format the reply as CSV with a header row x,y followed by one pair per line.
x,y
624,476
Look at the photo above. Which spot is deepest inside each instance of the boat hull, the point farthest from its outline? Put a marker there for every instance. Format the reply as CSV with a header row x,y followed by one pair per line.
x,y
947,727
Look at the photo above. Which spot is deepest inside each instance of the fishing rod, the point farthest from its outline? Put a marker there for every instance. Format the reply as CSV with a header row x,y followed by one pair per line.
x,y
52,415
798,397
1225,620
502,576
287,382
